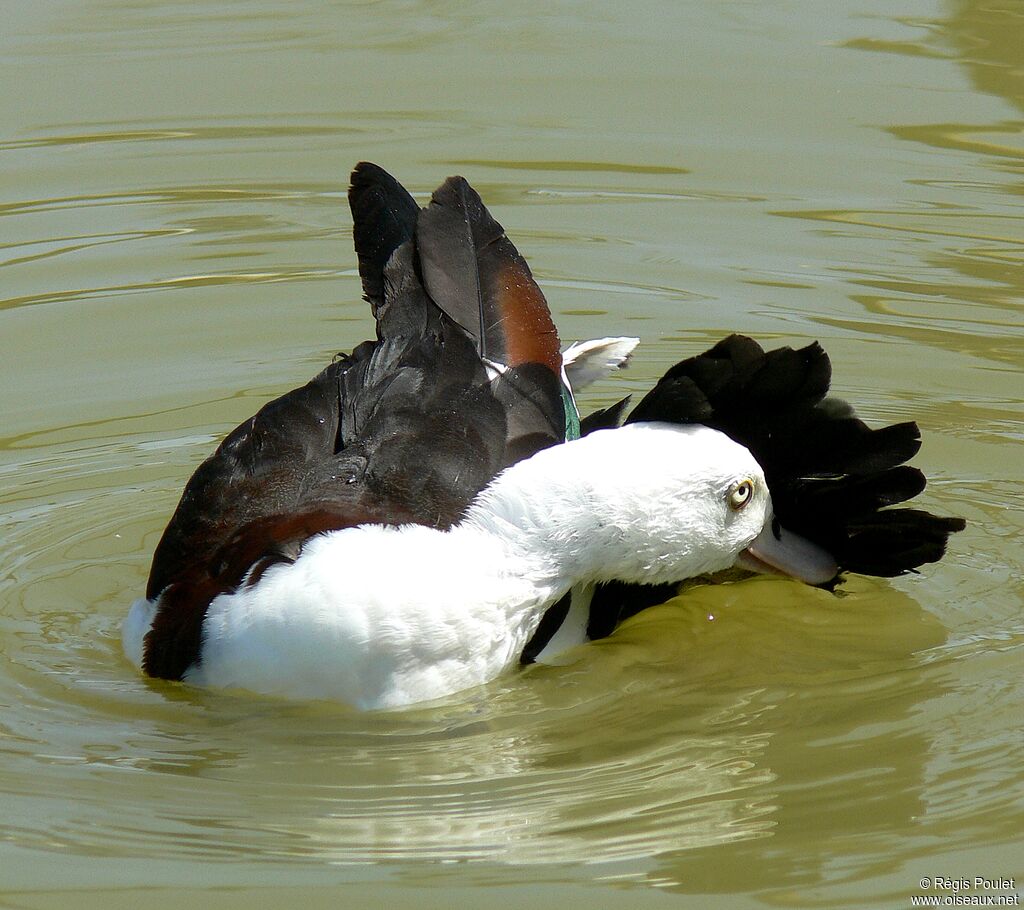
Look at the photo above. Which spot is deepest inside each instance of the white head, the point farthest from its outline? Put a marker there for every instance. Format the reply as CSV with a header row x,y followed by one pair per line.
x,y
649,503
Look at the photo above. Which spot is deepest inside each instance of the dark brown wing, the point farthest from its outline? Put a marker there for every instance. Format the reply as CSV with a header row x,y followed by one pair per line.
x,y
475,274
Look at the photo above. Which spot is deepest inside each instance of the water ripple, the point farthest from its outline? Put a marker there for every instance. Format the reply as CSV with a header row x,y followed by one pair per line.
x,y
523,770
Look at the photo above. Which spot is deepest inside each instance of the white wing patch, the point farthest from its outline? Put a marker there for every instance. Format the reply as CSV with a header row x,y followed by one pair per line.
x,y
587,361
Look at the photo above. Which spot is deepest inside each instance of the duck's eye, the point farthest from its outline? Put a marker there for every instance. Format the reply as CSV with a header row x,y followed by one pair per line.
x,y
741,494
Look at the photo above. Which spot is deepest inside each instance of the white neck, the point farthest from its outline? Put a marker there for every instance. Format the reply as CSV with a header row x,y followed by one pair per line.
x,y
588,511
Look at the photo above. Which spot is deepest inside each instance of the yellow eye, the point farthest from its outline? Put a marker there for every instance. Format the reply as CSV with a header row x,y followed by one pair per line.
x,y
741,494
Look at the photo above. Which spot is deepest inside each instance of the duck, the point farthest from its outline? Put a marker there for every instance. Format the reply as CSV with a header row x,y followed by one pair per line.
x,y
431,510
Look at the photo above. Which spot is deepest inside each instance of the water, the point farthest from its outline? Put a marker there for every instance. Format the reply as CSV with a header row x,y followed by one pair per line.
x,y
175,250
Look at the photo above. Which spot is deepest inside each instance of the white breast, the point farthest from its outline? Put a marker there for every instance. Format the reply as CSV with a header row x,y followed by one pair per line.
x,y
376,617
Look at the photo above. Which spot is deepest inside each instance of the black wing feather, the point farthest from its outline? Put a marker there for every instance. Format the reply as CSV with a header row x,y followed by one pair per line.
x,y
605,418
384,217
475,274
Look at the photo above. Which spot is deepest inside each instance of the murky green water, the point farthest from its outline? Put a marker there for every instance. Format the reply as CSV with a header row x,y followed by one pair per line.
x,y
175,249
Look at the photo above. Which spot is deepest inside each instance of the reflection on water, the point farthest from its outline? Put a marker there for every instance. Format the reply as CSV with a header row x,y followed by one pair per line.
x,y
986,37
848,175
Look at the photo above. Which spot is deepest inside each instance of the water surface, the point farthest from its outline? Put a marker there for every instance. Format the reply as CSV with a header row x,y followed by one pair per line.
x,y
175,249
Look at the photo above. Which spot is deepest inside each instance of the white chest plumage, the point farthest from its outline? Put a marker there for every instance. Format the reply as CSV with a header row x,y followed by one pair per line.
x,y
377,617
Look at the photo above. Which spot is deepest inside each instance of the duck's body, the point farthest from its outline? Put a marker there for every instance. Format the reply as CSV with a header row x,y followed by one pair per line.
x,y
333,626
411,522
380,616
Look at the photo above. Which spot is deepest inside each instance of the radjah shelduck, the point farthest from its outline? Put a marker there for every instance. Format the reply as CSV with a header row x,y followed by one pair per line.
x,y
430,511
